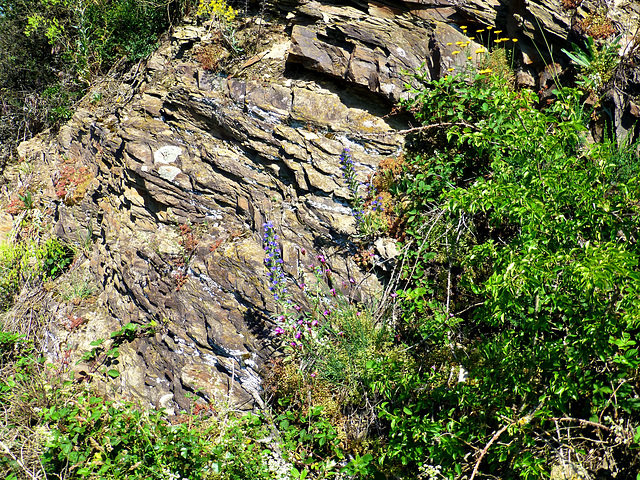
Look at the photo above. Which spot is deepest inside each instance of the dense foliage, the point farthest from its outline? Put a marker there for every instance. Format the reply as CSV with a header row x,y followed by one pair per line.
x,y
50,51
522,272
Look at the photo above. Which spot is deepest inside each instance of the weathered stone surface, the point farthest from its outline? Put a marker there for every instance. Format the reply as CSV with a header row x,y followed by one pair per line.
x,y
185,172
370,51
187,177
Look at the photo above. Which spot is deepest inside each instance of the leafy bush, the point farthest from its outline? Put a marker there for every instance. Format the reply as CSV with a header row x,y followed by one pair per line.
x,y
50,51
97,439
10,268
521,289
54,257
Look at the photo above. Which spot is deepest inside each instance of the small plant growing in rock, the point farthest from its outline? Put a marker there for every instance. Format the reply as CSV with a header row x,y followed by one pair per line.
x,y
15,206
209,56
223,16
78,287
597,25
596,63
73,183
367,214
21,203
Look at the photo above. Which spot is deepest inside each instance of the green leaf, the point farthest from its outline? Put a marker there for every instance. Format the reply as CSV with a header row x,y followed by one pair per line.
x,y
113,373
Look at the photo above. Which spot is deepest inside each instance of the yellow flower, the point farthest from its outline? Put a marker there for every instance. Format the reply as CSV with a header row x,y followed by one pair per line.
x,y
481,50
514,39
455,52
480,31
469,58
450,69
489,27
463,27
459,43
449,43
498,40
486,70
505,39
497,31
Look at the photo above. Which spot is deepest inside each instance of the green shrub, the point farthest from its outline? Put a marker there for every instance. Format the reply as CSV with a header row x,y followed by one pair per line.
x,y
94,438
523,270
54,258
11,261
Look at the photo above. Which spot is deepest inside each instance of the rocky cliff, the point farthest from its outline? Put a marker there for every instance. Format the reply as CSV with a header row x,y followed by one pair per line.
x,y
165,177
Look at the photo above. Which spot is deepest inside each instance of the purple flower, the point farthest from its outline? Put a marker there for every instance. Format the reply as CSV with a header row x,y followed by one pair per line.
x,y
278,331
298,335
273,261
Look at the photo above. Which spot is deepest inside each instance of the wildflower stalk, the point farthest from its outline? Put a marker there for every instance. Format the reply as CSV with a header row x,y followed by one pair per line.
x,y
353,185
273,262
303,332
367,223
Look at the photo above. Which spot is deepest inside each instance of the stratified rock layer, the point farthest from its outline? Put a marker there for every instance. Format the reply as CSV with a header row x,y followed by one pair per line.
x,y
176,181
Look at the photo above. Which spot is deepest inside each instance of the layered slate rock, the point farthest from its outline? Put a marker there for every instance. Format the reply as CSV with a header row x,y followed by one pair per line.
x,y
177,178
183,178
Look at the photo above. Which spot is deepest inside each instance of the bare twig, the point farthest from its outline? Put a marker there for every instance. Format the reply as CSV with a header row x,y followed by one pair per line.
x,y
10,453
580,420
420,129
486,449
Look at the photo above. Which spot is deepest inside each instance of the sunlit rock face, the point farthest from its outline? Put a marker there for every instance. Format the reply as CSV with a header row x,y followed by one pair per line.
x,y
182,166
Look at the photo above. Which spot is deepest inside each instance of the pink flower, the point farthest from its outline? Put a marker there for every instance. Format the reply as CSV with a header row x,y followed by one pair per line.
x,y
358,313
297,307
314,323
281,318
313,375
333,292
394,295
298,335
294,344
352,281
278,331
327,312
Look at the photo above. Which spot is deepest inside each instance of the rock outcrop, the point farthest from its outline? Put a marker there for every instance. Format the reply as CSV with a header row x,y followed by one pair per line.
x,y
169,184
